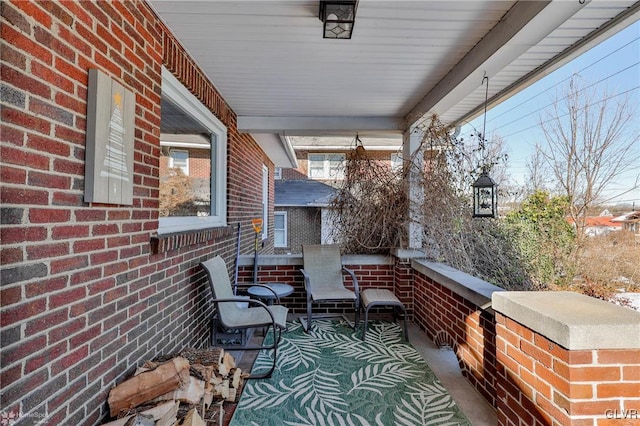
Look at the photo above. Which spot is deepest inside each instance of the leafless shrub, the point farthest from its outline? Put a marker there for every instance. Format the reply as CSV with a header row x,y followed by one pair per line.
x,y
178,198
371,206
608,265
372,210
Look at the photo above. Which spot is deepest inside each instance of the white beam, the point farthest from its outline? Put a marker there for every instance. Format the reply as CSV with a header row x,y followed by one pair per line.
x,y
277,148
526,24
314,126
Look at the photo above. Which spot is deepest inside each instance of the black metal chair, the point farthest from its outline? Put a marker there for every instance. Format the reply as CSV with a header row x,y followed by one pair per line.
x,y
234,314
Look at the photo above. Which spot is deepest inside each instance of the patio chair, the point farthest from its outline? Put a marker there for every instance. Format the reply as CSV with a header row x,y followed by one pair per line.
x,y
232,315
324,280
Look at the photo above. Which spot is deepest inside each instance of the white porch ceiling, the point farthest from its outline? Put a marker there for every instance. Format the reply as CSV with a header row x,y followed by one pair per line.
x,y
406,58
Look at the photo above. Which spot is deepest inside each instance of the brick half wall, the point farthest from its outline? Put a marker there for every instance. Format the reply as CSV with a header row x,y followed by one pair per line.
x,y
453,308
371,272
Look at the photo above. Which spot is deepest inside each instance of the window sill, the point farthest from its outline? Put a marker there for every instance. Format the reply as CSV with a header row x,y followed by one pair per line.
x,y
168,242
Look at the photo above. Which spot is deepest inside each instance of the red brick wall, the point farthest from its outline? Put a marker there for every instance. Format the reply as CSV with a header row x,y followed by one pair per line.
x,y
88,291
450,320
542,383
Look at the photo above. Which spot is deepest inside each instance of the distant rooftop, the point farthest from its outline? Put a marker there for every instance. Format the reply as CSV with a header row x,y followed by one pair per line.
x,y
599,221
303,193
629,217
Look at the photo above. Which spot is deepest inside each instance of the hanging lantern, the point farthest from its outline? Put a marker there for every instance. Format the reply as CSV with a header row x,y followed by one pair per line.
x,y
485,190
485,196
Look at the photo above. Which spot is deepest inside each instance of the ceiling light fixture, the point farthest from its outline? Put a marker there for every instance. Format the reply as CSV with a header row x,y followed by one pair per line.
x,y
338,18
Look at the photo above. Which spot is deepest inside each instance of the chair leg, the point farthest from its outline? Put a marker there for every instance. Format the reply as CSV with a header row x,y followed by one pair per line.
x,y
214,326
357,318
406,330
366,322
277,334
309,309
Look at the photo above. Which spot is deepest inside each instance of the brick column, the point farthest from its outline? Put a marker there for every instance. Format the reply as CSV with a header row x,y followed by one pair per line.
x,y
403,284
566,359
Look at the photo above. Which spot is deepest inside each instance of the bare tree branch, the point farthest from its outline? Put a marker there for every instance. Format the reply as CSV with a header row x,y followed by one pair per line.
x,y
589,143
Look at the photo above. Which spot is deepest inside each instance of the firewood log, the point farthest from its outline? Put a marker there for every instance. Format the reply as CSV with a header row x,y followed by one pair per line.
x,y
140,420
148,385
206,371
229,361
163,414
190,392
222,390
237,378
192,419
233,392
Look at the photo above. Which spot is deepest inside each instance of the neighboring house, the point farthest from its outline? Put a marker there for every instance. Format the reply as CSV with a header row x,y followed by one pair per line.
x,y
301,211
629,221
303,195
600,225
323,158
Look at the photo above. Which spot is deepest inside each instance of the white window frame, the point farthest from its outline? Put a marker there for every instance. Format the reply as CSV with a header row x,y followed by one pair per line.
x,y
172,165
284,230
180,96
265,202
396,161
326,164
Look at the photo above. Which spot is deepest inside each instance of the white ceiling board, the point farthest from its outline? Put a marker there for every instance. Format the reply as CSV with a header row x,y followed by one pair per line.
x,y
551,53
268,58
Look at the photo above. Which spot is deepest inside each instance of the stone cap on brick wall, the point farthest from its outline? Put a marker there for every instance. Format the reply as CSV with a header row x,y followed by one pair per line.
x,y
572,320
296,259
472,288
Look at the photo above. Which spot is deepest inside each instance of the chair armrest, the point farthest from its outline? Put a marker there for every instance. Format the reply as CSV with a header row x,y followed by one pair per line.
x,y
354,279
251,301
307,282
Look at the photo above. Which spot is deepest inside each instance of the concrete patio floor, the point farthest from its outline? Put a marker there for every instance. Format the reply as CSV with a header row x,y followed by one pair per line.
x,y
444,364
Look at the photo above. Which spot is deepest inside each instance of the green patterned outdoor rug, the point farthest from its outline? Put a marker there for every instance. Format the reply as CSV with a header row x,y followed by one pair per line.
x,y
331,377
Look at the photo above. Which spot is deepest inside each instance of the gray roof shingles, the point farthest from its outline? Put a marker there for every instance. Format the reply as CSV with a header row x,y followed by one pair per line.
x,y
303,193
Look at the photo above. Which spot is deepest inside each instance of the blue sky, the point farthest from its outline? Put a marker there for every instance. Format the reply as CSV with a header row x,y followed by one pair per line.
x,y
614,65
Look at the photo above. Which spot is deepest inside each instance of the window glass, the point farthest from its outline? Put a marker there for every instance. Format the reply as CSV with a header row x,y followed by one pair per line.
x,y
280,229
326,166
185,192
316,166
179,159
336,166
396,162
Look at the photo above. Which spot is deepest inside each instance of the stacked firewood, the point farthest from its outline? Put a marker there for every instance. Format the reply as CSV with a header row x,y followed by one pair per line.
x,y
187,389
